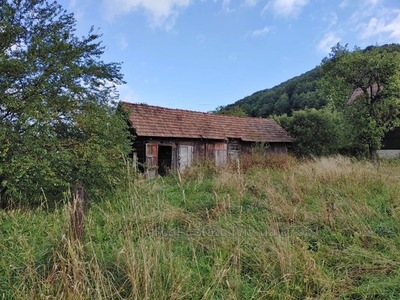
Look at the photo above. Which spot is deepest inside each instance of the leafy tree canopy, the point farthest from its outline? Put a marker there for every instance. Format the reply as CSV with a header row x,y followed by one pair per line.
x,y
365,86
316,132
298,93
58,122
231,111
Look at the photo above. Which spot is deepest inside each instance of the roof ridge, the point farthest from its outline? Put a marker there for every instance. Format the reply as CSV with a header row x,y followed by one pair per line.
x,y
164,108
191,111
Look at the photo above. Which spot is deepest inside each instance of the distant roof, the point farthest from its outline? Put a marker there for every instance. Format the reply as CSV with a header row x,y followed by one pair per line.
x,y
154,121
373,90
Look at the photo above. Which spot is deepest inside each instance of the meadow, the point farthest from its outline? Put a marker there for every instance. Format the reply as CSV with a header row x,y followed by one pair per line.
x,y
265,228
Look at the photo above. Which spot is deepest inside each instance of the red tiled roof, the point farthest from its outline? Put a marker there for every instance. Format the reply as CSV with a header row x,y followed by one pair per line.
x,y
154,121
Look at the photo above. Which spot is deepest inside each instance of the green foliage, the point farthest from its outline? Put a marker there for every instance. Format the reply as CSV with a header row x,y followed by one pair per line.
x,y
231,111
316,132
297,93
361,121
303,91
58,120
365,86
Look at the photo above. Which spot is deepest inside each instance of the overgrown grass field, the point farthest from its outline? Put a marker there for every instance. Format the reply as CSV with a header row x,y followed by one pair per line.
x,y
267,228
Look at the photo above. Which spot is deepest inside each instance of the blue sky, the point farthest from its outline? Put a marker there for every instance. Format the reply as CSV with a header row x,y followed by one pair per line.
x,y
199,54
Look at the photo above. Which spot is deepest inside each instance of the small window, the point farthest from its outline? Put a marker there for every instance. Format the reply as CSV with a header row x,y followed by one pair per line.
x,y
234,151
234,147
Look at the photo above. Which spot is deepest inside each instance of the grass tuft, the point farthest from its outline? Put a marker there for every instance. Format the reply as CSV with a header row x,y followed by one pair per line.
x,y
268,227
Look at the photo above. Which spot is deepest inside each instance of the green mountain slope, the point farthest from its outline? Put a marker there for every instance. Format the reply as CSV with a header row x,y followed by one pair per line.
x,y
294,94
297,93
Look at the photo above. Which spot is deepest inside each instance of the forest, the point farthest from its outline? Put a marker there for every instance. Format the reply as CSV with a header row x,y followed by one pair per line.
x,y
343,106
298,93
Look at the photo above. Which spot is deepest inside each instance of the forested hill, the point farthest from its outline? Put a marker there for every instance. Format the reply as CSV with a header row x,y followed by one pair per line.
x,y
295,94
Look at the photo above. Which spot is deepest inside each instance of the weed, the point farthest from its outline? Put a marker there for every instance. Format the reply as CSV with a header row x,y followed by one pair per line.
x,y
264,228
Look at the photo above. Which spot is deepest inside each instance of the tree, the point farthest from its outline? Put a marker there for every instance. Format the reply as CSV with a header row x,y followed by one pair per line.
x,y
58,119
365,86
316,132
297,93
231,111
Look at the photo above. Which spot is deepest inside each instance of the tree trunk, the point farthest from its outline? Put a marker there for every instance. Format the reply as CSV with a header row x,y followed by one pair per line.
x,y
3,201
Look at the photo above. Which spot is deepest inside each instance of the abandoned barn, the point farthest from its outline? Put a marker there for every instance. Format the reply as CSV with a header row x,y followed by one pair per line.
x,y
171,139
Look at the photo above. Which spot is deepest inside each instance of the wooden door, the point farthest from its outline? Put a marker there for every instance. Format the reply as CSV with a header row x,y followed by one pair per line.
x,y
151,159
185,155
220,152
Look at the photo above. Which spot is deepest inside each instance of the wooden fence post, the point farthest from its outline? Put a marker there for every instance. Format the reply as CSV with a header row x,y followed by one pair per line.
x,y
78,212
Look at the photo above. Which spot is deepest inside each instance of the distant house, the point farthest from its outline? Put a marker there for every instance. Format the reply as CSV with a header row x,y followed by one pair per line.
x,y
171,139
390,145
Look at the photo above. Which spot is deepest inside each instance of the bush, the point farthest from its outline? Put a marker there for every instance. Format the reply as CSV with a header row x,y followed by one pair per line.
x,y
316,132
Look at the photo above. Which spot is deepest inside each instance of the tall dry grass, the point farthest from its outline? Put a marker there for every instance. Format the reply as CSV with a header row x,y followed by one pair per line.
x,y
326,228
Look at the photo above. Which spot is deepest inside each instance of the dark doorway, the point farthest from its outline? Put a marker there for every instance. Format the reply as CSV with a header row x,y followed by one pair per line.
x,y
164,159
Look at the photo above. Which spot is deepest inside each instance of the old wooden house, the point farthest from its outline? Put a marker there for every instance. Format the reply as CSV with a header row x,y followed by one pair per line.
x,y
171,139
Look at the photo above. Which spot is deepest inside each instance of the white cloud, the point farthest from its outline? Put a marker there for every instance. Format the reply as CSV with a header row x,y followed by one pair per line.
x,y
386,26
330,39
332,20
373,2
344,4
261,32
162,13
78,8
286,8
375,21
250,3
226,6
